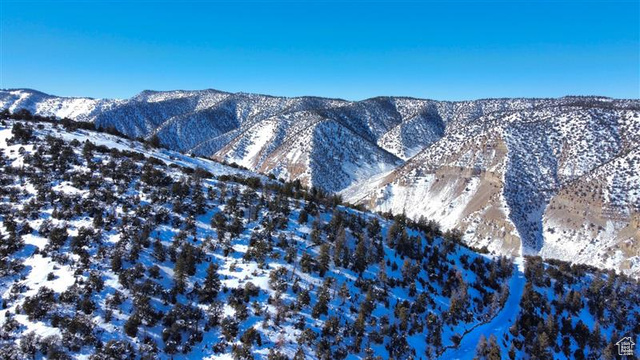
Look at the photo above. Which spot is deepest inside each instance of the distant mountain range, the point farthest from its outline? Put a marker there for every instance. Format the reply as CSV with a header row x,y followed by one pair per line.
x,y
555,177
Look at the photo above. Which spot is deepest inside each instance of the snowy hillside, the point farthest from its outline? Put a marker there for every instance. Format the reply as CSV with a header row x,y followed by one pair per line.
x,y
82,109
109,249
113,248
516,175
556,181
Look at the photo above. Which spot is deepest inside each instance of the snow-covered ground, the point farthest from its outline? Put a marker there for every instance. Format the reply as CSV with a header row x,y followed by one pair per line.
x,y
429,271
498,325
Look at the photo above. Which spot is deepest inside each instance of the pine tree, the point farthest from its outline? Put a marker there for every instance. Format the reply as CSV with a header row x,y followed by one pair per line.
x,y
182,267
154,141
316,237
98,222
322,305
551,327
382,273
219,222
57,237
211,285
29,344
360,262
360,323
116,261
395,232
199,201
488,350
131,325
303,298
323,259
493,349
159,251
306,263
374,228
229,328
344,292
481,348
303,217
595,340
339,247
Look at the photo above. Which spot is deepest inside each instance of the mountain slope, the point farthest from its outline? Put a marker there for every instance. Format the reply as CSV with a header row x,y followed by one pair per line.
x,y
125,251
111,248
82,109
496,177
494,168
206,122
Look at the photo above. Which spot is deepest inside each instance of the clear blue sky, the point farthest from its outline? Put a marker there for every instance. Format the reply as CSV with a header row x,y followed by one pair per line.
x,y
432,49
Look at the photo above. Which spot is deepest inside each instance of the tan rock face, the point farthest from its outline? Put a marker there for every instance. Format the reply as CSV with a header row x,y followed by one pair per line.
x,y
556,182
597,223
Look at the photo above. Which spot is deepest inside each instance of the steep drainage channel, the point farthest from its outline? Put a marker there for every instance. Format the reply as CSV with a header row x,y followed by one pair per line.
x,y
497,325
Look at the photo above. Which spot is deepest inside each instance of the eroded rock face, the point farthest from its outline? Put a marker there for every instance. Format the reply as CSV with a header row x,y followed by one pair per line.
x,y
561,180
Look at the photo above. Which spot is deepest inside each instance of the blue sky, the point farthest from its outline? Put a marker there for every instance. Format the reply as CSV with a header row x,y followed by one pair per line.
x,y
449,50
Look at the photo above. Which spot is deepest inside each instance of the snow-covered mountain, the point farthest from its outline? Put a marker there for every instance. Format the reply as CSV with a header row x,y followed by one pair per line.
x,y
555,177
112,248
81,109
560,181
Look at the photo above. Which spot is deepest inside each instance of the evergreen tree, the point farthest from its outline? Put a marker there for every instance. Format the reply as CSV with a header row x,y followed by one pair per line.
x,y
154,141
373,228
323,259
159,251
131,325
488,350
98,221
303,217
211,285
340,245
322,305
219,222
360,262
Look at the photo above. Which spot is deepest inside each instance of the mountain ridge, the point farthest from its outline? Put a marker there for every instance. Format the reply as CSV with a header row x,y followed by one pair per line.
x,y
408,97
